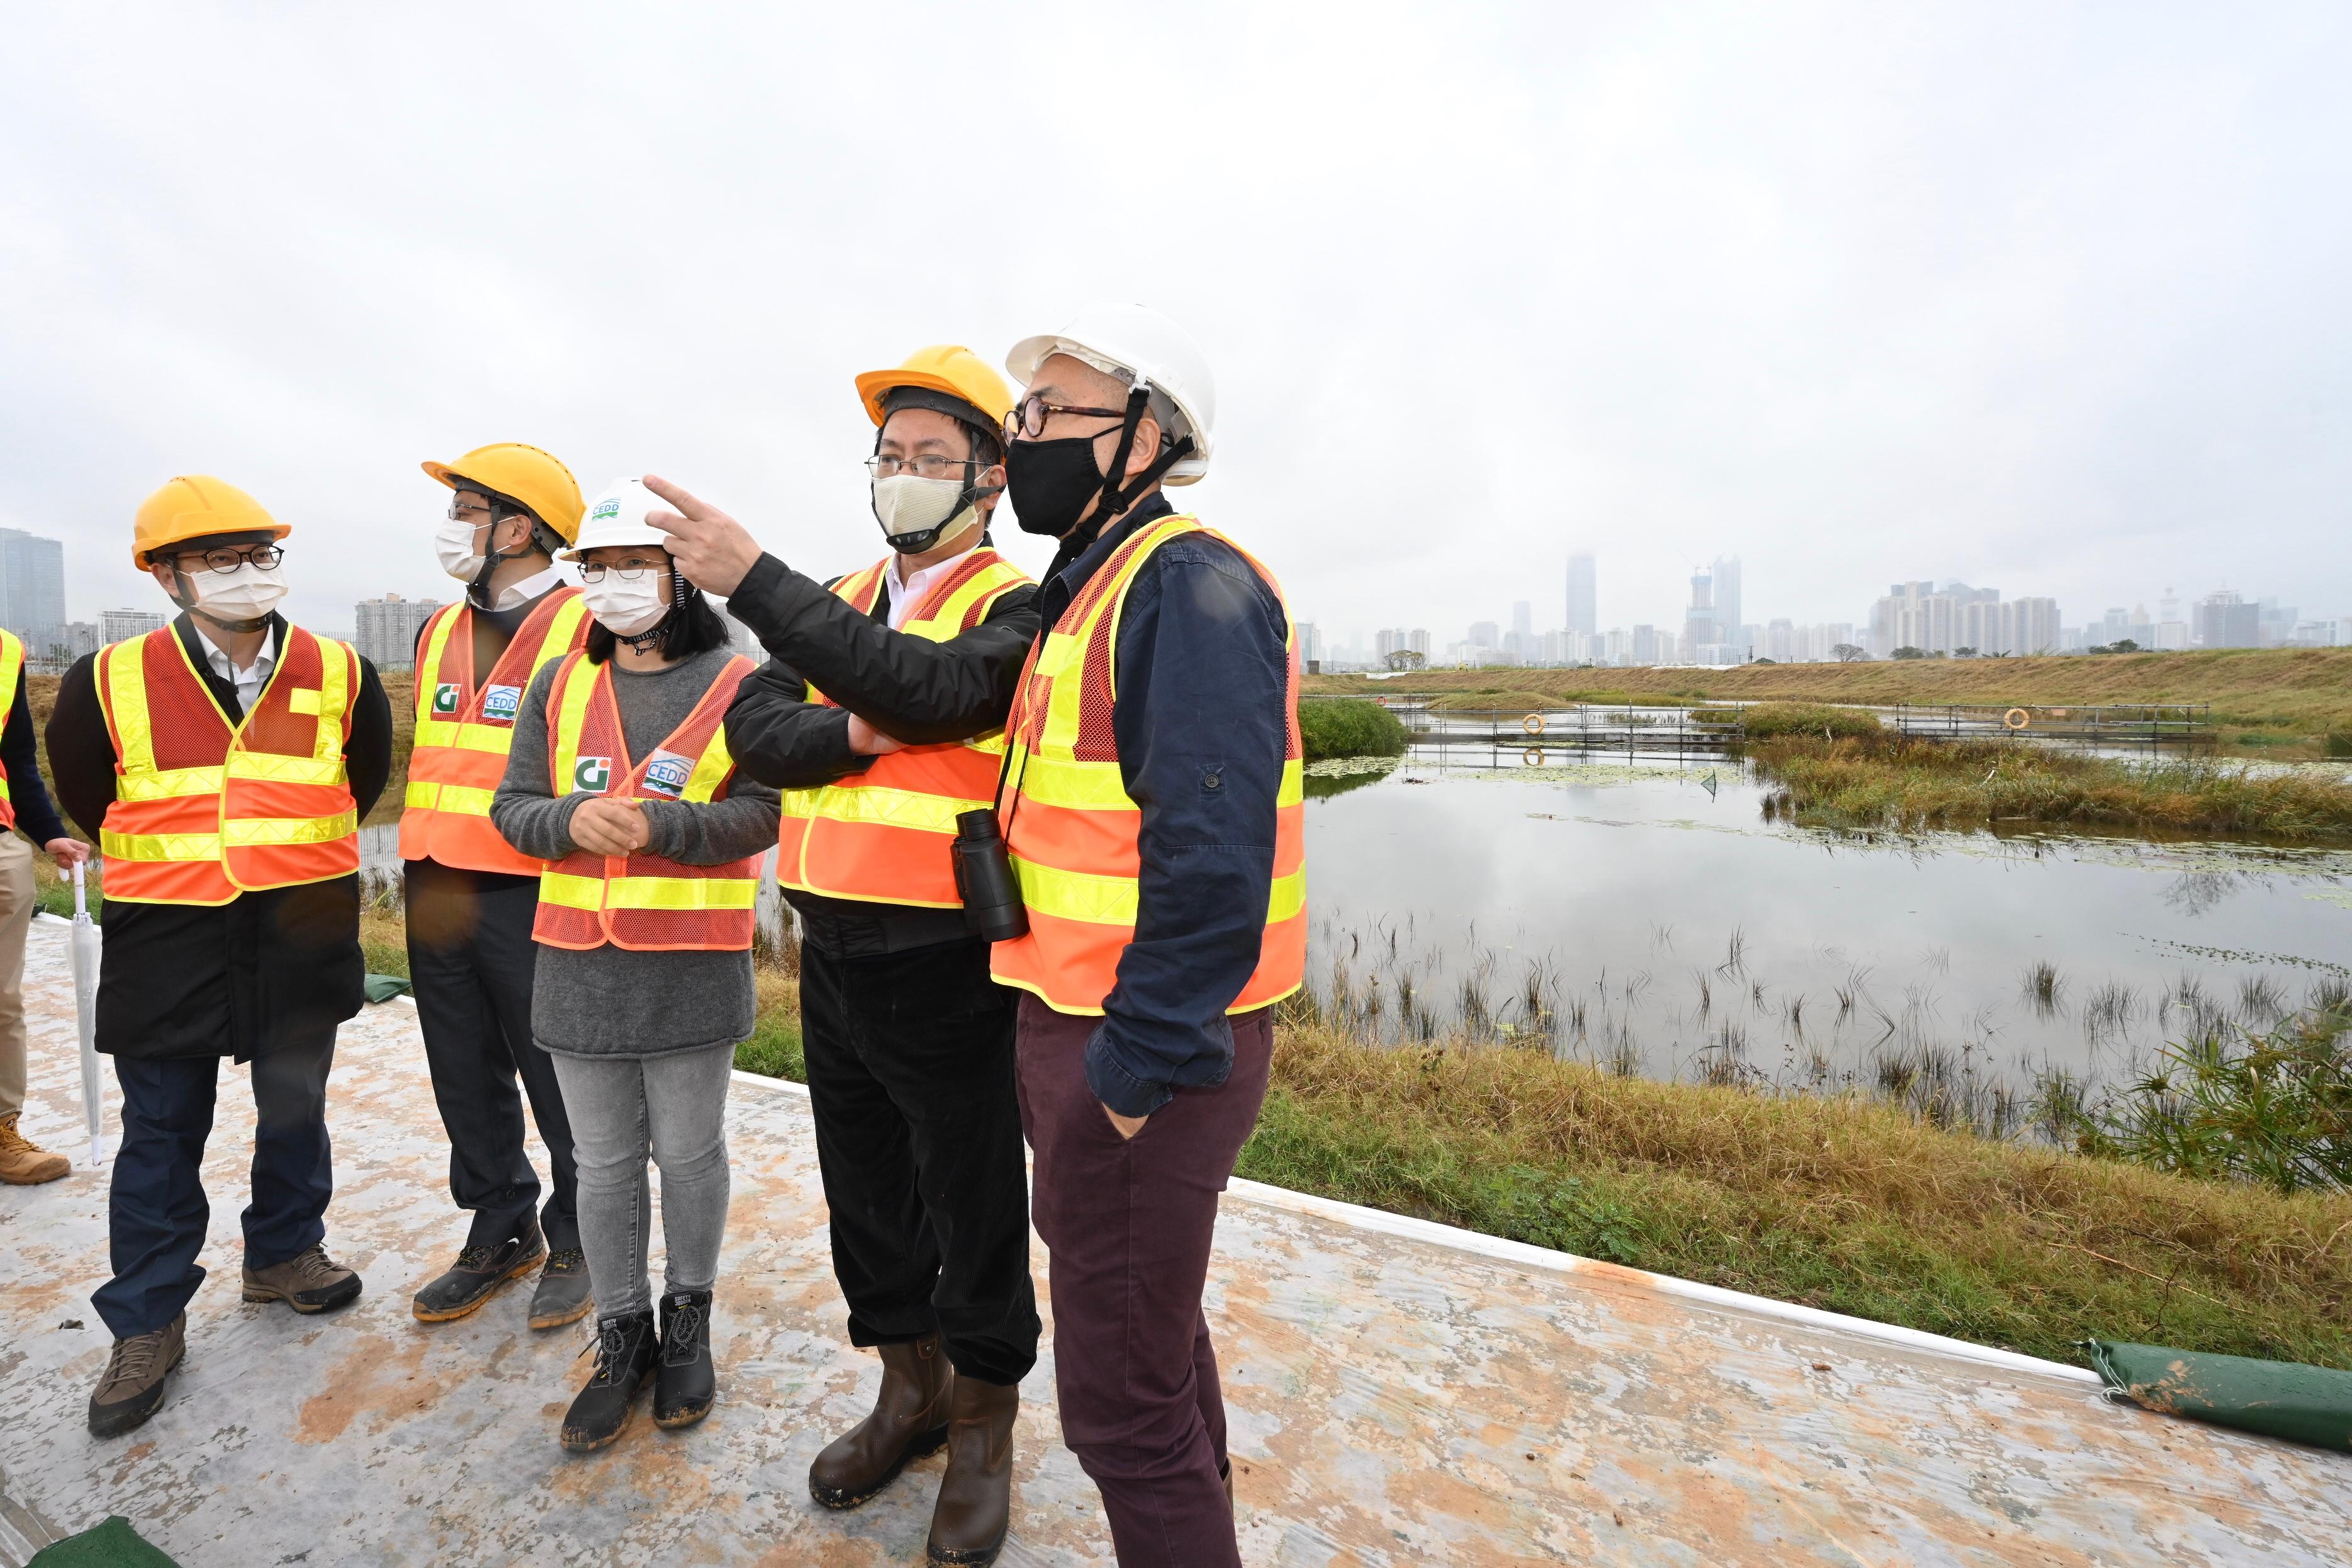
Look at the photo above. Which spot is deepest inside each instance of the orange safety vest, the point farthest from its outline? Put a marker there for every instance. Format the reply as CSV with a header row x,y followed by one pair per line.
x,y
1072,829
464,733
12,673
882,835
640,902
205,809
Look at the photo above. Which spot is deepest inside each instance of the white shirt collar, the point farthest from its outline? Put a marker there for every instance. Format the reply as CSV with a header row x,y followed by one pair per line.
x,y
531,588
905,593
264,661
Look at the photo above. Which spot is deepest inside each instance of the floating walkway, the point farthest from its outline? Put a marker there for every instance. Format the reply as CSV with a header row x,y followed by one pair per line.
x,y
1400,1393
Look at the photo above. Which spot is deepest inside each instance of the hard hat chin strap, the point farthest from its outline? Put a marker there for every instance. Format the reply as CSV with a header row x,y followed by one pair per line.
x,y
478,591
185,596
1115,499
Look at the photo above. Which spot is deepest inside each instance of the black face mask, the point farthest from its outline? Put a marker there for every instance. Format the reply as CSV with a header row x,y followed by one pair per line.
x,y
1050,483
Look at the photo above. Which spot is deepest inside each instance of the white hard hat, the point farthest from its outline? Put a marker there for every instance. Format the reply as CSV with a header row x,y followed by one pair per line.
x,y
1132,342
617,516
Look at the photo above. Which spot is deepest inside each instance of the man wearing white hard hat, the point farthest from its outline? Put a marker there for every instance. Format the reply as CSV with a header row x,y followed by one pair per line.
x,y
1151,805
620,782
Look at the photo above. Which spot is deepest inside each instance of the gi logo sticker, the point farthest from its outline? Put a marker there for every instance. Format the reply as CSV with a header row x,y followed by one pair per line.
x,y
499,703
666,774
591,774
445,698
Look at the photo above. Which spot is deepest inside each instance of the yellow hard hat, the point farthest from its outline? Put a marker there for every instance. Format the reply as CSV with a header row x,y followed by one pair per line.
x,y
523,473
192,507
947,368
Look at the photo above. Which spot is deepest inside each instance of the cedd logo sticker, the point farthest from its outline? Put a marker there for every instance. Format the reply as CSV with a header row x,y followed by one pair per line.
x,y
666,773
499,704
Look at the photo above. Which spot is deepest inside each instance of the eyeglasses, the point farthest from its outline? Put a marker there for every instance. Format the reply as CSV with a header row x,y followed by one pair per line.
x,y
228,557
923,466
475,512
1027,420
633,570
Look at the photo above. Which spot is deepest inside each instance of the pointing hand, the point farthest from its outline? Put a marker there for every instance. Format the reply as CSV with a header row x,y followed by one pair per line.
x,y
714,550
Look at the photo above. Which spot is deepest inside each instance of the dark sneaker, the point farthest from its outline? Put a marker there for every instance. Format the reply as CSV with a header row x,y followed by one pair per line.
x,y
311,1282
625,1350
130,1389
685,1382
910,1420
562,1294
478,1271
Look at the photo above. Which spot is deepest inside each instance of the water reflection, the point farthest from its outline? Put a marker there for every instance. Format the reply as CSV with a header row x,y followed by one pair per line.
x,y
1626,915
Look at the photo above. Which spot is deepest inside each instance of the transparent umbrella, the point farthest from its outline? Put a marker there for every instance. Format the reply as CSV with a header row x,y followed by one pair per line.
x,y
85,941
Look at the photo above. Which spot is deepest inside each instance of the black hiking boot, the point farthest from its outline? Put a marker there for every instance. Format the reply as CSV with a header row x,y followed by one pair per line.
x,y
686,1381
626,1349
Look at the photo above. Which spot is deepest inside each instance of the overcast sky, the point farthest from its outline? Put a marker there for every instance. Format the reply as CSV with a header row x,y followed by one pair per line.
x,y
2045,298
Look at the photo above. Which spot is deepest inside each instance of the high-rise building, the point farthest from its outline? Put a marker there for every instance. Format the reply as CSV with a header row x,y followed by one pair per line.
x,y
1702,625
1728,621
1485,634
387,630
117,625
2225,619
1417,641
32,584
1523,618
1583,597
1311,644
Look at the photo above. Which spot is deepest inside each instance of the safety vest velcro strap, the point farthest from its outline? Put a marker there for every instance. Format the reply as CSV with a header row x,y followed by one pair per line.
x,y
890,808
681,892
1077,894
159,846
240,831
461,798
282,770
170,785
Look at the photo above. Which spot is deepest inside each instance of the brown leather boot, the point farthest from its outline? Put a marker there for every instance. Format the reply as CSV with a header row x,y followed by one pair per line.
x,y
910,1420
975,1506
24,1163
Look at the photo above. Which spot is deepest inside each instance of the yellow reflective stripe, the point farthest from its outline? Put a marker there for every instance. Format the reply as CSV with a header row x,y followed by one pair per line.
x,y
681,892
1288,897
710,770
12,670
798,802
428,673
159,846
460,800
171,785
436,732
1079,786
890,808
572,891
497,739
560,632
336,662
1293,788
1077,894
280,769
1114,603
126,686
579,687
997,578
241,832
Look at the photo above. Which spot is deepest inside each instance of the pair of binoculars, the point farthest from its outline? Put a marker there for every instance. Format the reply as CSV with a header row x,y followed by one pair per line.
x,y
984,879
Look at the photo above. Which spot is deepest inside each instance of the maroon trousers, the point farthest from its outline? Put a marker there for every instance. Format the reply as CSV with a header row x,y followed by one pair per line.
x,y
1128,1223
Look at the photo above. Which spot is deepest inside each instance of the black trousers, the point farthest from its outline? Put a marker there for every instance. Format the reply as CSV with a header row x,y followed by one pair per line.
x,y
470,959
919,1139
157,1210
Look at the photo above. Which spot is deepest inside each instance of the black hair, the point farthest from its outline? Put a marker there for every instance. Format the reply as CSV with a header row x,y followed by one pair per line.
x,y
987,440
543,539
691,627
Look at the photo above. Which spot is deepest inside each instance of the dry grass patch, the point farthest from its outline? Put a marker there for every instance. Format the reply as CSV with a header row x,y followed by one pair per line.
x,y
1837,1203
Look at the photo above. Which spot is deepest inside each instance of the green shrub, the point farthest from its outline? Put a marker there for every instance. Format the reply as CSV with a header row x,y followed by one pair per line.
x,y
2339,743
1348,726
1769,721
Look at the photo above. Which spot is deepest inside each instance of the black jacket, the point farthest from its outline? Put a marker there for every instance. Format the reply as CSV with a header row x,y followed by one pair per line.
x,y
238,979
909,687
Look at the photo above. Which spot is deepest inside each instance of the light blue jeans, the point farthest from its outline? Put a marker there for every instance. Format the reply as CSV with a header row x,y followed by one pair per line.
x,y
674,1108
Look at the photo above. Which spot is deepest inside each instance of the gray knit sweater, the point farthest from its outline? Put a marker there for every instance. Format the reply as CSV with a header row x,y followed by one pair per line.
x,y
608,1001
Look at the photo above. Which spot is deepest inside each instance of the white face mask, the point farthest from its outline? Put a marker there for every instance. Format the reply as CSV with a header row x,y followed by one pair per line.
x,y
625,608
248,593
906,504
454,545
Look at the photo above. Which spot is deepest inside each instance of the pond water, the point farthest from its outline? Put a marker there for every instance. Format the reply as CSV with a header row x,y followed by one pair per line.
x,y
1628,915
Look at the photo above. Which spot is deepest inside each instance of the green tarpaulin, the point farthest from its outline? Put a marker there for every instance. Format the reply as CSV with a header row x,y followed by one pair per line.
x,y
384,988
113,1544
2277,1398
